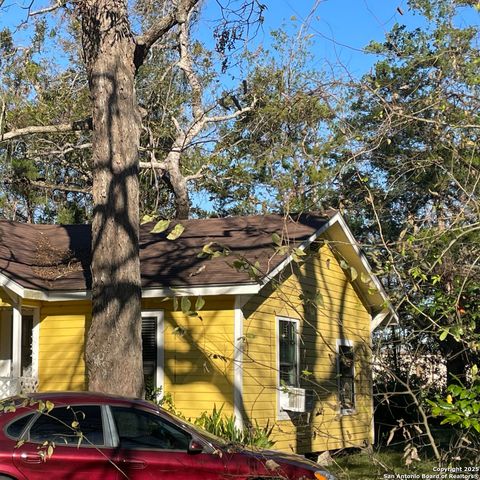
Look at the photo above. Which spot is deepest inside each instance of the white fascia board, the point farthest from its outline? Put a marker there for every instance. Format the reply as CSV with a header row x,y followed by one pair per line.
x,y
206,290
11,286
378,319
302,246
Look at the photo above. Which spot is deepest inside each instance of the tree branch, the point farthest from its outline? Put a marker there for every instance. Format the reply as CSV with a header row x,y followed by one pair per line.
x,y
153,165
186,65
62,188
78,125
58,4
160,28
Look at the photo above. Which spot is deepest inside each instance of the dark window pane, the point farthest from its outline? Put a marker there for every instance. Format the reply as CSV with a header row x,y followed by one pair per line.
x,y
149,351
16,428
288,360
26,357
139,429
57,426
346,382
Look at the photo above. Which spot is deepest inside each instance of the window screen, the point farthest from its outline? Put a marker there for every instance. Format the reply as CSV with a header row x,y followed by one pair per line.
x,y
346,381
288,352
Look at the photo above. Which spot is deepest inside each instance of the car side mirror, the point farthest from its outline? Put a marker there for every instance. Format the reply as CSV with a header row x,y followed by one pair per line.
x,y
195,447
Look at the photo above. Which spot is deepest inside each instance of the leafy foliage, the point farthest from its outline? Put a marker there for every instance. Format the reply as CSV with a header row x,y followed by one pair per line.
x,y
219,424
461,406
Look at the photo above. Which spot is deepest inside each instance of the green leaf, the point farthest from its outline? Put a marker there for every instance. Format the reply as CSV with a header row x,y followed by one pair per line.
x,y
147,219
319,299
160,226
364,278
297,255
344,265
276,239
199,304
444,334
353,274
185,305
176,232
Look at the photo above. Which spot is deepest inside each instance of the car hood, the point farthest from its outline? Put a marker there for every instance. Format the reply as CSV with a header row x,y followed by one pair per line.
x,y
283,458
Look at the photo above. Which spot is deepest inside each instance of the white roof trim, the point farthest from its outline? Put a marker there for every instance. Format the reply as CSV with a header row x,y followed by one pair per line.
x,y
11,285
30,294
206,290
234,289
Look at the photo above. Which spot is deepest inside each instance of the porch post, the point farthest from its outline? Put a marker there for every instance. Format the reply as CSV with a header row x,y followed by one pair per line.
x,y
17,341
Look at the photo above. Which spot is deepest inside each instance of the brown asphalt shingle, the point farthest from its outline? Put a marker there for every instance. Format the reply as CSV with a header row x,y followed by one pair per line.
x,y
57,257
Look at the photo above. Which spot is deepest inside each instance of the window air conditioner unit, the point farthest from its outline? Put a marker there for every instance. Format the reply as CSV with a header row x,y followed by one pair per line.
x,y
296,399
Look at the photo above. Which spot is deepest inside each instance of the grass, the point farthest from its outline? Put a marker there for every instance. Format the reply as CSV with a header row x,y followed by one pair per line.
x,y
377,465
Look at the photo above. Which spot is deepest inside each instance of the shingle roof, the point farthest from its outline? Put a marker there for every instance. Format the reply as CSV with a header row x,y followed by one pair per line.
x,y
57,257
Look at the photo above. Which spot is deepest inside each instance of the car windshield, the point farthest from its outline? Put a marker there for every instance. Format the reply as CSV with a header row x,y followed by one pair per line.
x,y
207,435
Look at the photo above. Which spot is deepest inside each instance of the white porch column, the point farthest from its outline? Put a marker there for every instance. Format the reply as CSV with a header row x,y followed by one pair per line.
x,y
238,407
17,341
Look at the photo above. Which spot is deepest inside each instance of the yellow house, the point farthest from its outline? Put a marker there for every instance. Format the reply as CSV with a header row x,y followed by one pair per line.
x,y
269,316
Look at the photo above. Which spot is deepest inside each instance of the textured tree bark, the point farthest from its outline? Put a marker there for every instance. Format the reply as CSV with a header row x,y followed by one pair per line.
x,y
113,347
178,184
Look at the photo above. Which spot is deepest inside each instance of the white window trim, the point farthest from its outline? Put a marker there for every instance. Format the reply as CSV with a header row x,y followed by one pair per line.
x,y
160,371
281,414
346,343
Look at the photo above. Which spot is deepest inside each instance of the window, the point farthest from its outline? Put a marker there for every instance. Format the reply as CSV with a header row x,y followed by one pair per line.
x,y
346,375
152,350
26,357
139,429
288,352
16,428
58,426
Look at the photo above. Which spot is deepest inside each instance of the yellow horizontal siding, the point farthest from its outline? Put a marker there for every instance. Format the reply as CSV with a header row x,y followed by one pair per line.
x,y
199,361
199,354
61,345
341,315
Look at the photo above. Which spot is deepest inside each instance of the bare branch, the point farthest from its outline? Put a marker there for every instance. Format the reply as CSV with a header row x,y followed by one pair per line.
x,y
186,65
78,125
153,165
62,188
58,4
231,116
199,174
161,27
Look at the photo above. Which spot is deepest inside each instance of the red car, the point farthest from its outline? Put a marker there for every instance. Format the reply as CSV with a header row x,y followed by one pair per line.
x,y
90,436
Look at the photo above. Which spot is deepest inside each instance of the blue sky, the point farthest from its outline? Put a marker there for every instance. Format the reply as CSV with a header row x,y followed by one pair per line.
x,y
340,29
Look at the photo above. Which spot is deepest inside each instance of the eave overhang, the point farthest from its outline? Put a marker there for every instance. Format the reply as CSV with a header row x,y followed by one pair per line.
x,y
335,230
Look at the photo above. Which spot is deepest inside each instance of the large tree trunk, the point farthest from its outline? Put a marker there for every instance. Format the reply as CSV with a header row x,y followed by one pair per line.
x,y
113,347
